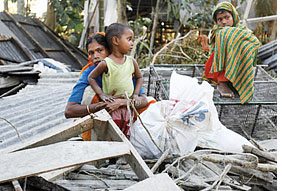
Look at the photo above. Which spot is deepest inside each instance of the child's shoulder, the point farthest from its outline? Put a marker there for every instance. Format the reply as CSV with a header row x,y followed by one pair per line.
x,y
130,58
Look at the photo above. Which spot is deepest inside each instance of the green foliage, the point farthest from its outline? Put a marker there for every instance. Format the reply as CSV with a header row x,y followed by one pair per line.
x,y
140,27
201,19
68,16
264,8
173,8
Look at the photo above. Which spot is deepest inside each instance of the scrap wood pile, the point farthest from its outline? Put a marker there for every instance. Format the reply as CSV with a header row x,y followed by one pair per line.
x,y
88,177
188,49
212,170
200,170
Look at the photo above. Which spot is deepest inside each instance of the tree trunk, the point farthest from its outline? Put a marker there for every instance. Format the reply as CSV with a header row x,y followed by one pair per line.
x,y
101,16
6,8
273,24
136,20
20,7
121,9
50,16
153,33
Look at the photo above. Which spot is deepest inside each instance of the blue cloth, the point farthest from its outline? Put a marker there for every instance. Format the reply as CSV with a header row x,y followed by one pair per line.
x,y
82,83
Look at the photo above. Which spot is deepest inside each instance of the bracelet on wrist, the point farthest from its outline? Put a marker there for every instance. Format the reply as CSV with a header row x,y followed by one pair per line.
x,y
88,110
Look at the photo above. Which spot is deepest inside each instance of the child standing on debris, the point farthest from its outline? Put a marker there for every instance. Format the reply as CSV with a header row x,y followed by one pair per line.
x,y
117,69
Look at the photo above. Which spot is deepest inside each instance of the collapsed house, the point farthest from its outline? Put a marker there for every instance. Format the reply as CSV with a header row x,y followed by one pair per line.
x,y
36,139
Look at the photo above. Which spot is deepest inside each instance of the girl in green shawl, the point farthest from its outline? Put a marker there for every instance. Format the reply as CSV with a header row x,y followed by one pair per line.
x,y
233,52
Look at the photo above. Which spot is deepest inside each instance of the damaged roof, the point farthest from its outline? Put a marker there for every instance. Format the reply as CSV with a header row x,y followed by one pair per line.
x,y
26,39
35,109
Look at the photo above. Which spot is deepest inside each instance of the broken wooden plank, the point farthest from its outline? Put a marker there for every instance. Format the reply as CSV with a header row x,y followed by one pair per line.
x,y
247,11
55,174
159,182
5,69
38,160
262,19
17,185
263,154
55,135
107,130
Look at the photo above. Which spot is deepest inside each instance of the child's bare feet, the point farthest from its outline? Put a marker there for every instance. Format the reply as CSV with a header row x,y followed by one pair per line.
x,y
224,90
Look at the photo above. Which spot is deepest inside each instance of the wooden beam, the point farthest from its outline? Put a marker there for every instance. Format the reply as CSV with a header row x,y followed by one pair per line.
x,y
159,182
262,19
17,185
247,11
86,26
55,135
38,160
8,68
58,40
107,130
25,50
7,32
34,42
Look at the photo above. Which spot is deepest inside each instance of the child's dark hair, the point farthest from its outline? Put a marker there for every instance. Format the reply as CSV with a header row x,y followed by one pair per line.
x,y
221,11
100,39
115,29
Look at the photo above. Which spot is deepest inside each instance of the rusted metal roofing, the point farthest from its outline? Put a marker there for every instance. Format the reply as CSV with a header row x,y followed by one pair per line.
x,y
23,39
36,108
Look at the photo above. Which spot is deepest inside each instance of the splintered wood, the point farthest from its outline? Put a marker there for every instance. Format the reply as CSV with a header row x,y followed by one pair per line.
x,y
209,169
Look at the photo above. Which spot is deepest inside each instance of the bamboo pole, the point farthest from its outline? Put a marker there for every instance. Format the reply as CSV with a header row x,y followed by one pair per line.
x,y
156,16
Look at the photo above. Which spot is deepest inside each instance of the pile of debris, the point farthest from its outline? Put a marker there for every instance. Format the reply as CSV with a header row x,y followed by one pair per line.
x,y
200,170
208,169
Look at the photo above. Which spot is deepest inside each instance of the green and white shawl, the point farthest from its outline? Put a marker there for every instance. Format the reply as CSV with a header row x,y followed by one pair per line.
x,y
235,50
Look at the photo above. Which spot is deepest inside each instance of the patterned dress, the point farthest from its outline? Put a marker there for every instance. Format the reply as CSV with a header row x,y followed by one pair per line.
x,y
233,54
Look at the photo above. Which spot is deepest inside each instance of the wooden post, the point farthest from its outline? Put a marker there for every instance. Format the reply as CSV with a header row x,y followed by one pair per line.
x,y
101,16
21,7
86,26
51,16
107,130
247,11
121,9
153,32
6,8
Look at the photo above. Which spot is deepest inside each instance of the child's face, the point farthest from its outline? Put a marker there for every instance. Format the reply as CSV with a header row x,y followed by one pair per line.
x,y
97,52
224,19
126,41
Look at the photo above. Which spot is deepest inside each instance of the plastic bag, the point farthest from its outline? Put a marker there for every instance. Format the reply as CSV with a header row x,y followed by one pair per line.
x,y
189,118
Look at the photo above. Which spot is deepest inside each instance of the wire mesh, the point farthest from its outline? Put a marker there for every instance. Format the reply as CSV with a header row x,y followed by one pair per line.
x,y
258,118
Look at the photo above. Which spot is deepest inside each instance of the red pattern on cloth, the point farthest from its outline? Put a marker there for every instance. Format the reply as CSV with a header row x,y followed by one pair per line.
x,y
217,76
121,118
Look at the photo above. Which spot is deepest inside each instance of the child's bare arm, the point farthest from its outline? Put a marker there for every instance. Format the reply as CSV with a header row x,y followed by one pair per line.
x,y
102,67
139,79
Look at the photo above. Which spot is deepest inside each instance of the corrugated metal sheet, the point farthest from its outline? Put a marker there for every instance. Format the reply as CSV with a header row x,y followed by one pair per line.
x,y
268,55
44,40
19,33
40,41
36,108
11,52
